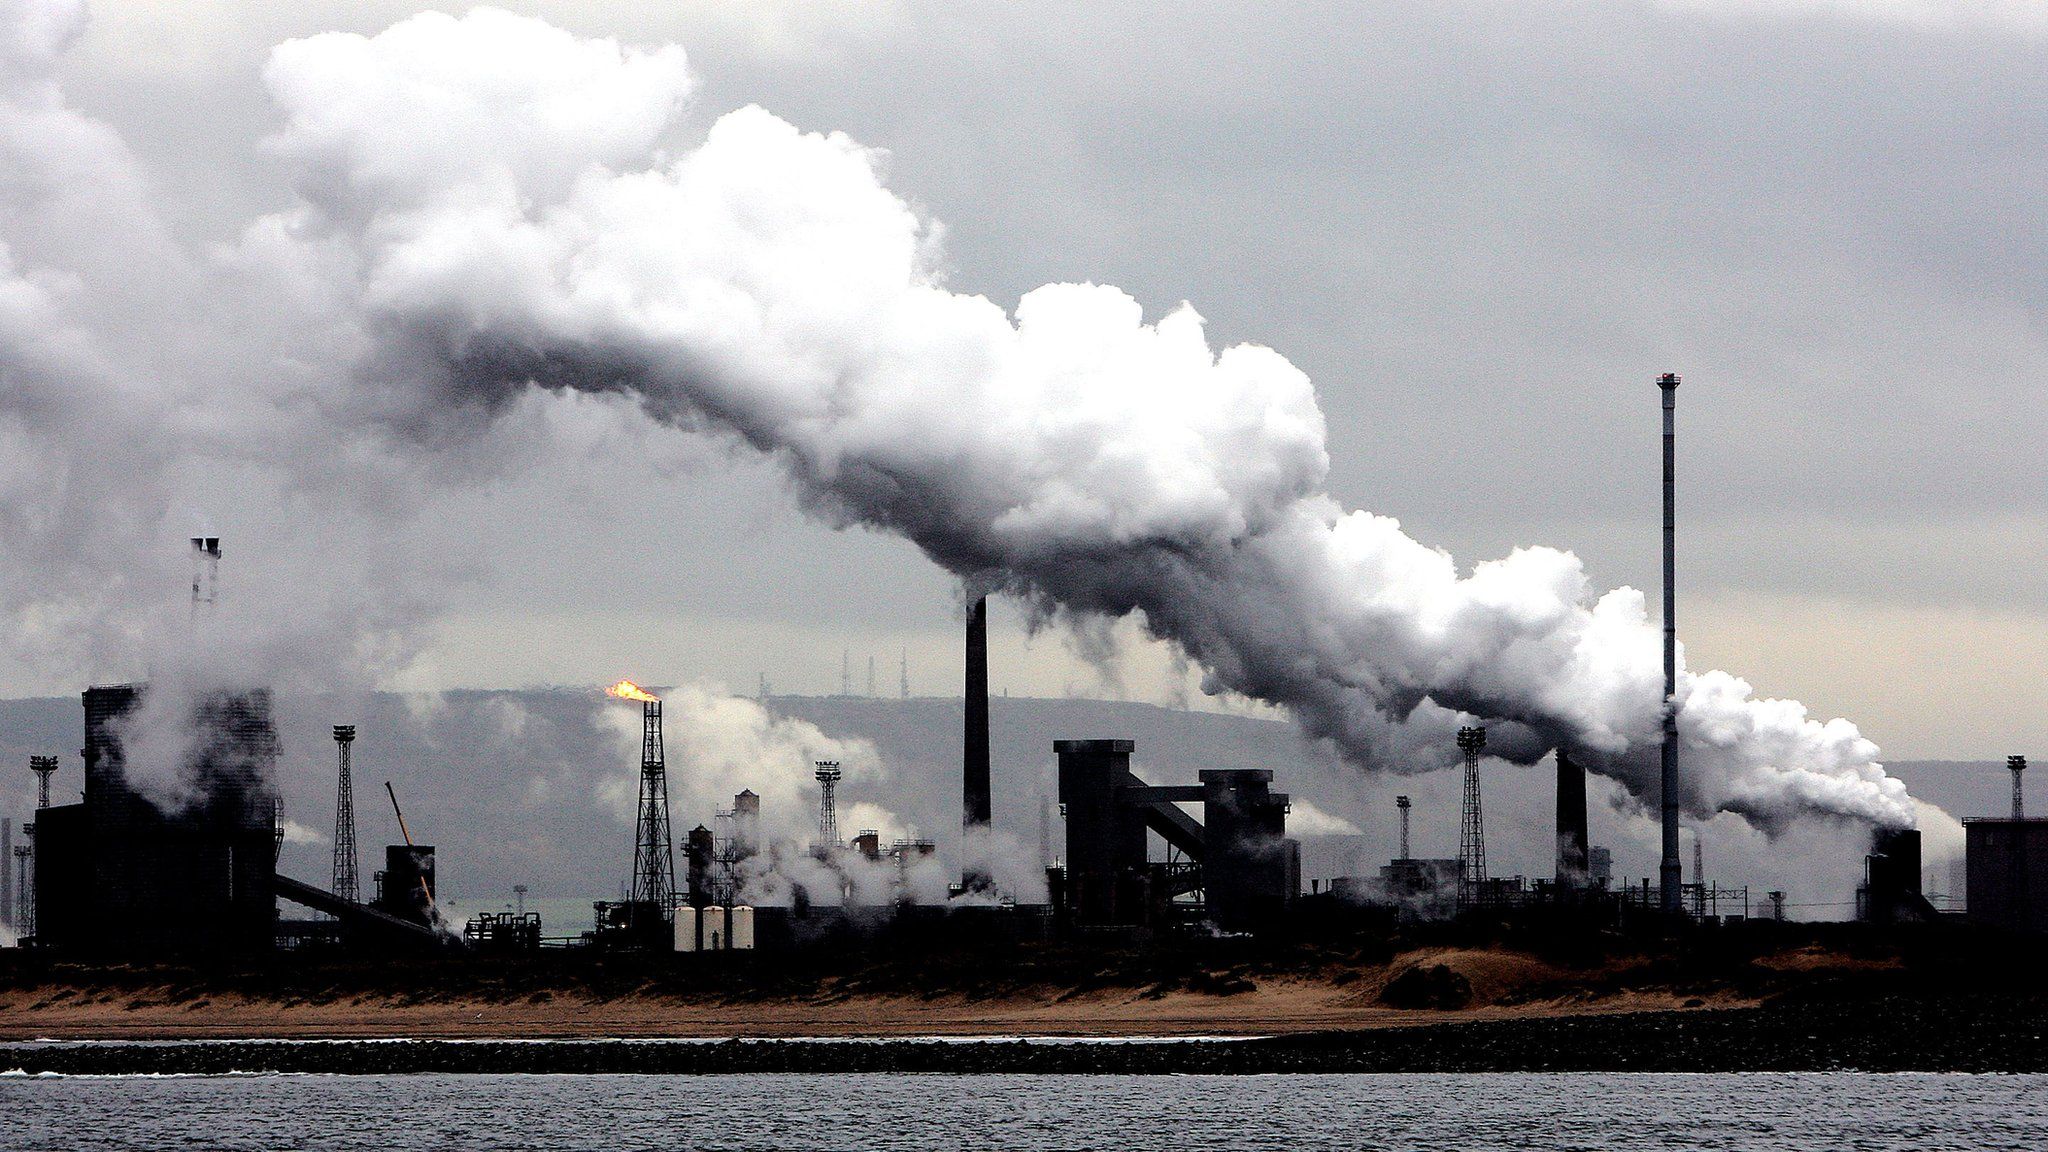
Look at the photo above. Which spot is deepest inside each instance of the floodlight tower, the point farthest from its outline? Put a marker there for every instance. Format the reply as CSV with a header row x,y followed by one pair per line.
x,y
828,811
44,767
1402,803
1471,831
2018,766
346,884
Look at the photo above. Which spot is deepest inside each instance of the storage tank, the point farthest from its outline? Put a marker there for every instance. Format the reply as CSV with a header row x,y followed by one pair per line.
x,y
686,929
742,928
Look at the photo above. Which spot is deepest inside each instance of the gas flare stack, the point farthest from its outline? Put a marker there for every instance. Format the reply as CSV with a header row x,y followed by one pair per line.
x,y
646,920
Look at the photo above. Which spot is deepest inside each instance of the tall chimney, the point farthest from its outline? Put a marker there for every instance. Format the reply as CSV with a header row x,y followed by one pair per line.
x,y
974,781
1670,873
1571,823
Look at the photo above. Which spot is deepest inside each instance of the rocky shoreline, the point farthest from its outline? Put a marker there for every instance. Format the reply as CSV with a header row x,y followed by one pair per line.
x,y
1885,1036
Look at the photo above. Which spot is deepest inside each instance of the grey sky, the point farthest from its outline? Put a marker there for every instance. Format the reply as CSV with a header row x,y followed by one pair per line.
x,y
1482,230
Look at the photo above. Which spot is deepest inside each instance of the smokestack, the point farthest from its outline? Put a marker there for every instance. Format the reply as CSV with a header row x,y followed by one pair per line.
x,y
1571,823
974,783
1669,873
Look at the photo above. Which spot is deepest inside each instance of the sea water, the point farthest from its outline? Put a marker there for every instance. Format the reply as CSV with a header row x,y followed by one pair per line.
x,y
1438,1113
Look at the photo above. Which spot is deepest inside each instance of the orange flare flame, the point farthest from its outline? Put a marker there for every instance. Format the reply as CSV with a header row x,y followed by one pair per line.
x,y
627,690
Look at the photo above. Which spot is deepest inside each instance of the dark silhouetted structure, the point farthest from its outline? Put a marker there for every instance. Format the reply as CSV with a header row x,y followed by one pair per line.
x,y
1471,824
654,862
122,876
700,855
975,788
1671,878
2006,872
828,775
405,888
1891,886
1238,857
1571,824
346,885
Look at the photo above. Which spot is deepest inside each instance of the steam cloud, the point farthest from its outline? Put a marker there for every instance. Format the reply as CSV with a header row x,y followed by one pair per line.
x,y
488,205
729,743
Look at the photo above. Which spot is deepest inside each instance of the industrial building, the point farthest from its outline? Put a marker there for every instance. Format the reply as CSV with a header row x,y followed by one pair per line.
x,y
2007,872
119,875
1891,893
1235,867
127,874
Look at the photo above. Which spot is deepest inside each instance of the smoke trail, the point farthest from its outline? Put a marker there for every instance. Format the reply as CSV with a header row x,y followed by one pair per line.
x,y
493,192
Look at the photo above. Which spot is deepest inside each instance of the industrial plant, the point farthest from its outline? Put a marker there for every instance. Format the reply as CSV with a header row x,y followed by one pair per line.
x,y
134,874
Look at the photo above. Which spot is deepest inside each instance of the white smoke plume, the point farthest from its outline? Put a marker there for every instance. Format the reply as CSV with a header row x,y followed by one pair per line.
x,y
496,195
716,744
491,206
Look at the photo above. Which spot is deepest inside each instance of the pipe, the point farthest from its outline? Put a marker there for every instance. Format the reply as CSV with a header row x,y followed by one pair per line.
x,y
1670,872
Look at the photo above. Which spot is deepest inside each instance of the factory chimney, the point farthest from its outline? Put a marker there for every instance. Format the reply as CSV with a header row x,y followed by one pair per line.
x,y
1670,875
1571,823
974,783
2018,766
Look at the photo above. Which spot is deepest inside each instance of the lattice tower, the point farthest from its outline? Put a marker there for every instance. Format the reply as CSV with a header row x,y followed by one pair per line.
x,y
347,884
43,767
828,809
654,860
1471,828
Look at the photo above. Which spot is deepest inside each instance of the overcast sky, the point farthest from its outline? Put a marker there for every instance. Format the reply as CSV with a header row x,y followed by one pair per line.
x,y
1482,229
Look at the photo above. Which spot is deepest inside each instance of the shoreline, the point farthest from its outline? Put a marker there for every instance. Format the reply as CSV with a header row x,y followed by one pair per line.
x,y
1811,1038
1276,1008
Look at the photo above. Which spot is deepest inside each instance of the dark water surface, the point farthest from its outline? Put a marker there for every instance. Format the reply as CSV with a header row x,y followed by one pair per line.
x,y
1438,1113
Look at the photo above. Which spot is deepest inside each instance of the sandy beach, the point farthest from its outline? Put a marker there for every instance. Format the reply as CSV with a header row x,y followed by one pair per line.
x,y
1350,999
